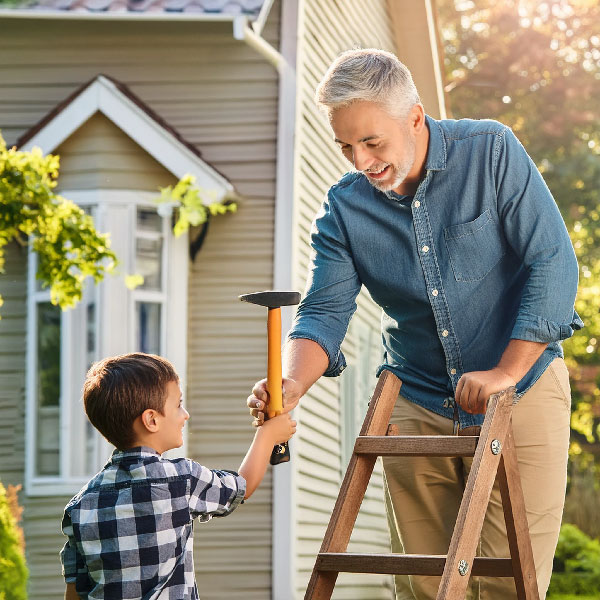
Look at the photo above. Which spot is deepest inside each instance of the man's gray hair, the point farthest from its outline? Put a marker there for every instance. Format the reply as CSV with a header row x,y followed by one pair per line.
x,y
370,75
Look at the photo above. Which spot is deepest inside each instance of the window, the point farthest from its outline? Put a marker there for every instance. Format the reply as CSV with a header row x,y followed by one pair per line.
x,y
63,450
149,297
356,386
48,386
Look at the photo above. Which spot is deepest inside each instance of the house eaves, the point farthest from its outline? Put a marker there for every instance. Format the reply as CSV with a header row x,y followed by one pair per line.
x,y
247,17
128,112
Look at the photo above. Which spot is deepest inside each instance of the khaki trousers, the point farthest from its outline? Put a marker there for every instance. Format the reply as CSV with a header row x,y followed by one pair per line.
x,y
423,494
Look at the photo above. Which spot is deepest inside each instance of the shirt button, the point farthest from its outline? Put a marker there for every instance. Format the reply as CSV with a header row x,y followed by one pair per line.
x,y
452,371
417,204
425,248
445,333
434,292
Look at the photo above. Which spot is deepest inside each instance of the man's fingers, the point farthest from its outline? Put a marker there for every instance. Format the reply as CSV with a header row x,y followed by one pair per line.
x,y
254,402
260,390
468,397
459,388
257,414
484,396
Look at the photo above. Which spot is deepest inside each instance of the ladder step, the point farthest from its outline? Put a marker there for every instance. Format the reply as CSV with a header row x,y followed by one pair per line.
x,y
418,445
406,564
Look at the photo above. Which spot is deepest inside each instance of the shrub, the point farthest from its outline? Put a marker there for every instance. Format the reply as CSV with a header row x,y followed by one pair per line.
x,y
13,572
576,564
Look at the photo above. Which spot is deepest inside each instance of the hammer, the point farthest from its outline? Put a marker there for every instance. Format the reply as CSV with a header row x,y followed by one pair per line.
x,y
274,301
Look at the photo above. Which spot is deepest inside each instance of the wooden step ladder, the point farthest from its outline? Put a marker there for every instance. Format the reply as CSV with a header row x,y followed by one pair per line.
x,y
494,454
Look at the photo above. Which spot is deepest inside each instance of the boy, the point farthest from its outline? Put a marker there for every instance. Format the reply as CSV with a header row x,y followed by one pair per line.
x,y
130,528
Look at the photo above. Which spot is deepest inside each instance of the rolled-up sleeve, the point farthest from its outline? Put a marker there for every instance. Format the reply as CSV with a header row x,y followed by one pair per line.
x,y
214,493
536,232
331,289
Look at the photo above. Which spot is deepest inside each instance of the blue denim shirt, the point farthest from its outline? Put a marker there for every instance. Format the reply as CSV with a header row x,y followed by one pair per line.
x,y
478,256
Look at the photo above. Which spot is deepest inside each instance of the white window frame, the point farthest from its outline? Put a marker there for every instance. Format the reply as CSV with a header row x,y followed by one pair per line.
x,y
110,321
356,386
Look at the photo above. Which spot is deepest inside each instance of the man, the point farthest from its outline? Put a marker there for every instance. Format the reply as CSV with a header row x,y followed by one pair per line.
x,y
452,230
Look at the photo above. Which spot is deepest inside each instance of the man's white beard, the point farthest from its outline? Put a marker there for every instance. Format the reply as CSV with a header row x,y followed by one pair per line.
x,y
400,171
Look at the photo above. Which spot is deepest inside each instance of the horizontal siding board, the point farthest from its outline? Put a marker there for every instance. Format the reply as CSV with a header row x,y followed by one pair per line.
x,y
221,96
13,289
327,29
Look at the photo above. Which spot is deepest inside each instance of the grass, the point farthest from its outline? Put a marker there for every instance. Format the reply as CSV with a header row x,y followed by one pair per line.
x,y
573,597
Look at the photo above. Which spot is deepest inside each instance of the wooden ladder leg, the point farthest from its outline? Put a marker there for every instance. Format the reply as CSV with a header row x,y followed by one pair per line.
x,y
517,528
467,530
354,486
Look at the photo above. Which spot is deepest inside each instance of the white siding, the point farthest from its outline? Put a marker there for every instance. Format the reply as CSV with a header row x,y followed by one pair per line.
x,y
100,156
327,28
222,96
13,289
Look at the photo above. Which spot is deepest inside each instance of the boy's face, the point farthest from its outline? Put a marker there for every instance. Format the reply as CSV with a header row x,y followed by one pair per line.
x,y
170,433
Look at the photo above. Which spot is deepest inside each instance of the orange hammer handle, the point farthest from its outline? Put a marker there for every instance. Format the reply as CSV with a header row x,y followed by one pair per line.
x,y
274,362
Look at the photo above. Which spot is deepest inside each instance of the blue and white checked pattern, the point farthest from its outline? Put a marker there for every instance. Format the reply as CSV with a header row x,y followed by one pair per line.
x,y
130,528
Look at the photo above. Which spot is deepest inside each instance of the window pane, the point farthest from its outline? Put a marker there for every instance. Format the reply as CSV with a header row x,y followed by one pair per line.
x,y
48,388
90,333
91,434
91,437
148,263
147,321
149,220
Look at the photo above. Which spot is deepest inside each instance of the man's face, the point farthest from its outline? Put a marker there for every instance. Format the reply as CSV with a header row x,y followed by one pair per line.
x,y
377,144
170,434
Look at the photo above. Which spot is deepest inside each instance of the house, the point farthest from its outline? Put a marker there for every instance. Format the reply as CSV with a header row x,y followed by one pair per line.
x,y
132,94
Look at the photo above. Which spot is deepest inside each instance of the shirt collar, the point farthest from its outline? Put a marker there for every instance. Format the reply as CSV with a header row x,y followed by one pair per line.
x,y
135,453
436,152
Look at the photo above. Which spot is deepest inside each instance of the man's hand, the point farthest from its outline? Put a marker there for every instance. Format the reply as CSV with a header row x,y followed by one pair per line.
x,y
259,399
475,388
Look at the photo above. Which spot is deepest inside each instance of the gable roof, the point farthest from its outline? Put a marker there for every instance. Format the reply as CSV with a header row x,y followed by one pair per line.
x,y
250,8
128,112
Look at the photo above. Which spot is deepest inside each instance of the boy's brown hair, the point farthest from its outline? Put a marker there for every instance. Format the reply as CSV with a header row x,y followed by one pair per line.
x,y
119,389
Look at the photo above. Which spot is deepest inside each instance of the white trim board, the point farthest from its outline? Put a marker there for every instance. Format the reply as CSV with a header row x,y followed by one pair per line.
x,y
283,550
103,96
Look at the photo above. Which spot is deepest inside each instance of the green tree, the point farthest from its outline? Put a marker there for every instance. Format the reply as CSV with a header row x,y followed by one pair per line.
x,y
13,572
68,247
190,203
535,66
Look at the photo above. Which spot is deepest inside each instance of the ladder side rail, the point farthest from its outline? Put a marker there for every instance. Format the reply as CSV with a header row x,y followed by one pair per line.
x,y
354,486
517,528
471,514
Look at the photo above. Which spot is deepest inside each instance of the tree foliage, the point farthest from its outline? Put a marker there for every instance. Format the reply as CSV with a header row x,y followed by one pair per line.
x,y
13,572
190,201
576,563
68,247
535,66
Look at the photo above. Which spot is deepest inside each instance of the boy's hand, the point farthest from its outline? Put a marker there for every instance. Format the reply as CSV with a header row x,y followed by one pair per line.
x,y
280,428
259,399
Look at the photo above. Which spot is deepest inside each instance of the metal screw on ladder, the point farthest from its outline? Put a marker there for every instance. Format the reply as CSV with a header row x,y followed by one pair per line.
x,y
463,567
496,446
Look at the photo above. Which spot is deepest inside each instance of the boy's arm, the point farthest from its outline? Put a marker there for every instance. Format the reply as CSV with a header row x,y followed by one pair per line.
x,y
275,431
71,592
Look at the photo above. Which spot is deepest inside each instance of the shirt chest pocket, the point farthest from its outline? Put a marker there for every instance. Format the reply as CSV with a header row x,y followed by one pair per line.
x,y
475,248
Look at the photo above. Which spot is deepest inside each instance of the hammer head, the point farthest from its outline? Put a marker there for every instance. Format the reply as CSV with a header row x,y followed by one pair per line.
x,y
272,299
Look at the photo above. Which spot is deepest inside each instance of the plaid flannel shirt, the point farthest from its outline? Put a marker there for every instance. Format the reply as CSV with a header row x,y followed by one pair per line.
x,y
130,528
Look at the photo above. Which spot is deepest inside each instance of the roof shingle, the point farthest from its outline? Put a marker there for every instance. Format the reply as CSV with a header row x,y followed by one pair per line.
x,y
225,7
